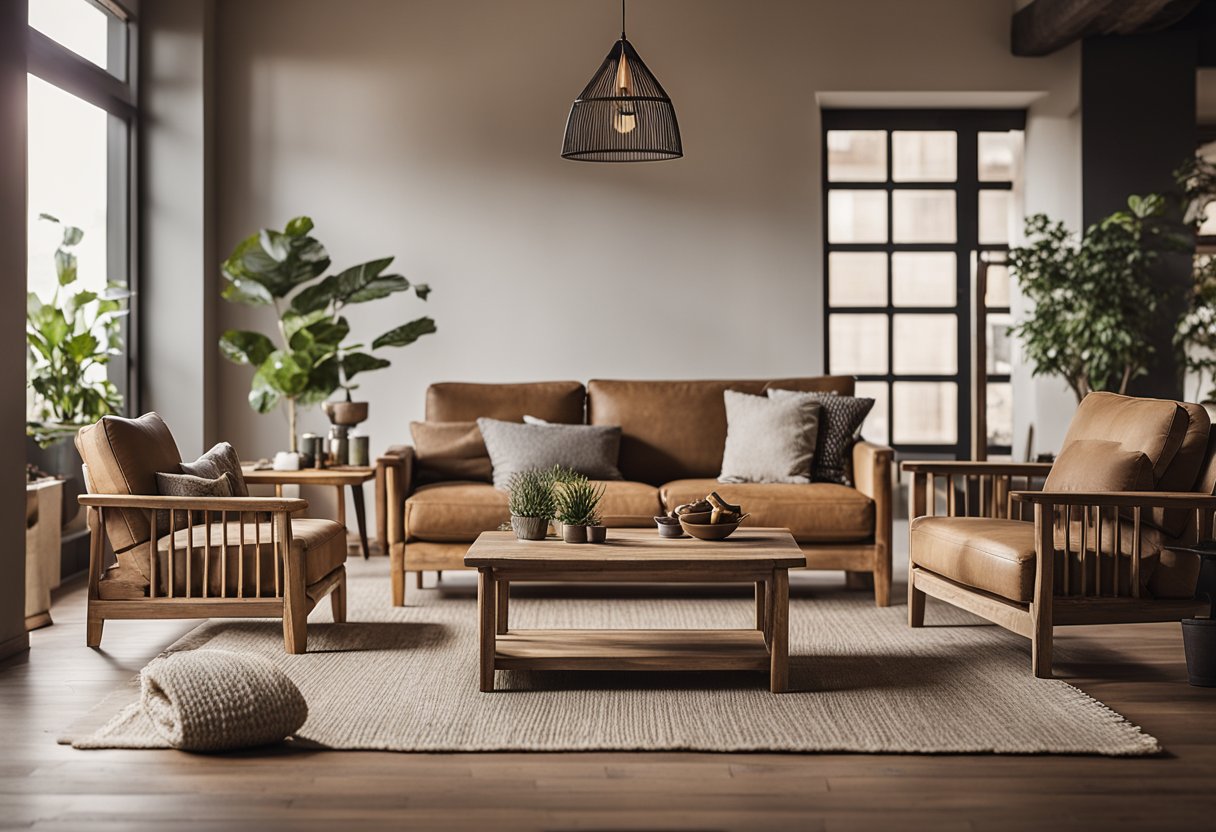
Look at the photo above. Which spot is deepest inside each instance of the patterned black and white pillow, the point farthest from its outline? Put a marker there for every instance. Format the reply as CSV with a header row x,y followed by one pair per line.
x,y
840,422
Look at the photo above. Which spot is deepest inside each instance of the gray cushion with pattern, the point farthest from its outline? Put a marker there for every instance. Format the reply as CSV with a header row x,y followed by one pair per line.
x,y
221,459
188,485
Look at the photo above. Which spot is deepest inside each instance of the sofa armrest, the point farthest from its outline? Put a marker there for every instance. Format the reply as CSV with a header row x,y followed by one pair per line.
x,y
395,481
872,469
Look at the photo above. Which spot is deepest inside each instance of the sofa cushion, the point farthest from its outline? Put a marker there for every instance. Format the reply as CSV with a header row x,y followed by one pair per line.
x,y
591,450
221,459
449,451
996,556
323,543
676,429
554,401
456,512
1155,427
769,440
1184,471
124,456
840,421
817,512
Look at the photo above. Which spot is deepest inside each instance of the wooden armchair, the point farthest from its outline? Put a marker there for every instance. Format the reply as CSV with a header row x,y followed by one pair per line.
x,y
1030,559
187,557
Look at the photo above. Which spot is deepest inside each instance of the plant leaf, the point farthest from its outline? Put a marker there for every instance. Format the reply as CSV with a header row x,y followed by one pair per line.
x,y
81,346
298,226
405,334
263,397
354,363
65,266
71,235
422,290
340,287
245,347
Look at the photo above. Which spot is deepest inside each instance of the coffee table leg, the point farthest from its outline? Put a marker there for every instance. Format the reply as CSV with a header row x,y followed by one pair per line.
x,y
760,608
504,601
780,622
356,493
486,625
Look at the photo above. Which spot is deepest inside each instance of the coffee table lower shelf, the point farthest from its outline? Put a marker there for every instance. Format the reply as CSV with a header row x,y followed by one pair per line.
x,y
631,650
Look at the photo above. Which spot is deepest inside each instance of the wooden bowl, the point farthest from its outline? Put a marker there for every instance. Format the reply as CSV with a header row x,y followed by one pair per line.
x,y
709,531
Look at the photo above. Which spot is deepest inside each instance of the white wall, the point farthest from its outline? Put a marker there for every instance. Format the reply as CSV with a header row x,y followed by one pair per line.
x,y
430,129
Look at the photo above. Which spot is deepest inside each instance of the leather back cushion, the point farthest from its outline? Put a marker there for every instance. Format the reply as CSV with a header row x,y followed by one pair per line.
x,y
449,451
1183,473
677,429
123,457
1155,427
1099,465
553,401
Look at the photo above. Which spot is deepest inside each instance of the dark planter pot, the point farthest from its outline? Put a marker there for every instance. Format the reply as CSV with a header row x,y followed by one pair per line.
x,y
574,534
1199,639
61,459
597,534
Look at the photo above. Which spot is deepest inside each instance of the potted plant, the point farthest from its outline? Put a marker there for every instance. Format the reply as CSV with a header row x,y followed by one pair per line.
x,y
577,503
1095,305
308,356
531,504
560,476
1196,336
70,338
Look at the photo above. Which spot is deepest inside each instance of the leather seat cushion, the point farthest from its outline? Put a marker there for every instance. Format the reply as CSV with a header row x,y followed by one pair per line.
x,y
996,556
323,543
819,512
456,512
123,457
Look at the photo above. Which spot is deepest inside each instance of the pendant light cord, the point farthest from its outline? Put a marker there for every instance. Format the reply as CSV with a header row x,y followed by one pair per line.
x,y
622,19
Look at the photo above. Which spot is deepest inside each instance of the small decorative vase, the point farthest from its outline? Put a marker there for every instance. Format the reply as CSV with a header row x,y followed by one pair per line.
x,y
574,534
529,528
597,534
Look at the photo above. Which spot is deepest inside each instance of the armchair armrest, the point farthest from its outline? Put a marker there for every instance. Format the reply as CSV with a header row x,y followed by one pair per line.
x,y
395,474
1119,499
943,467
152,502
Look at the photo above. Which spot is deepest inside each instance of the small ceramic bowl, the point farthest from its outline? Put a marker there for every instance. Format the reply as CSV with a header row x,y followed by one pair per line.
x,y
669,527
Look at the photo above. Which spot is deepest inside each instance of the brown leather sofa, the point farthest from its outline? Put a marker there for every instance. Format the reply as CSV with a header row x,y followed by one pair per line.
x,y
1094,538
673,435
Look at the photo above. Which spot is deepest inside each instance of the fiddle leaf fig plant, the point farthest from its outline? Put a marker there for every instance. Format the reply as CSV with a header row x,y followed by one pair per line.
x,y
70,337
308,357
1095,304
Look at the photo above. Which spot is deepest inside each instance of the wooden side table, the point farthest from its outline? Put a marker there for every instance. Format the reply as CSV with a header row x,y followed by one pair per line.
x,y
339,477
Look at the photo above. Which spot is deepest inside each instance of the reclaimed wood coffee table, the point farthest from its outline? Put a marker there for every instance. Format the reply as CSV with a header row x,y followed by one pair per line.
x,y
760,556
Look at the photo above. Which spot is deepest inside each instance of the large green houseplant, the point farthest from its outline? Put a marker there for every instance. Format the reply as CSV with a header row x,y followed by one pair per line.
x,y
1095,304
307,357
1196,336
70,337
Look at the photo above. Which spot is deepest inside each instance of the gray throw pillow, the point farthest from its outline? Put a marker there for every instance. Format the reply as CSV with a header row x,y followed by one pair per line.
x,y
839,428
592,450
221,459
768,439
188,485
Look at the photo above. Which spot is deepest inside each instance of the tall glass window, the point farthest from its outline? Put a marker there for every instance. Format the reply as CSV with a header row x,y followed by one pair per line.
x,y
913,200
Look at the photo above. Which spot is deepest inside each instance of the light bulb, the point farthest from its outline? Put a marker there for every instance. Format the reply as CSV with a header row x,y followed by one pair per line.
x,y
624,119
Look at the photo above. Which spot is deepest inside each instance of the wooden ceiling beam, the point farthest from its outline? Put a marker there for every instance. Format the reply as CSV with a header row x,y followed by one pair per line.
x,y
1044,26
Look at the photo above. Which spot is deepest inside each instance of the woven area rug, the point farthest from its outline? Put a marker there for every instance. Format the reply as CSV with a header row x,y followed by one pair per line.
x,y
406,680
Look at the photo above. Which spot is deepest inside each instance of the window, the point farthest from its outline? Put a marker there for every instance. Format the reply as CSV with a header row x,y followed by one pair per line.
x,y
82,109
914,202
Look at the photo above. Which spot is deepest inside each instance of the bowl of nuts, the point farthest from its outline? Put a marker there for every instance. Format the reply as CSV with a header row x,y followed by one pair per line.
x,y
710,519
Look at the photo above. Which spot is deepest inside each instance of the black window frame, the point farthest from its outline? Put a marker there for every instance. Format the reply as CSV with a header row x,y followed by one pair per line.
x,y
114,89
967,124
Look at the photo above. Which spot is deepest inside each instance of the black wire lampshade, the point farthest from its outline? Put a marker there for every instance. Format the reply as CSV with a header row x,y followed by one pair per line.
x,y
623,115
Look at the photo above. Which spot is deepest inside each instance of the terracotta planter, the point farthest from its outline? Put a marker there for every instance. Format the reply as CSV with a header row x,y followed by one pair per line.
x,y
574,534
530,528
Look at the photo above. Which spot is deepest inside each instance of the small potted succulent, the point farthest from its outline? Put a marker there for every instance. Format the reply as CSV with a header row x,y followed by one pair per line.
x,y
531,504
577,502
560,476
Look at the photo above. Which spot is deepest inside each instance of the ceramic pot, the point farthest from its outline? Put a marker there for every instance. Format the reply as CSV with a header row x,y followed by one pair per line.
x,y
669,527
1199,639
597,534
574,534
345,413
529,528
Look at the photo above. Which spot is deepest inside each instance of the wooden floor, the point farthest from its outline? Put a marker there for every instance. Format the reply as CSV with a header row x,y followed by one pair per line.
x,y
1137,670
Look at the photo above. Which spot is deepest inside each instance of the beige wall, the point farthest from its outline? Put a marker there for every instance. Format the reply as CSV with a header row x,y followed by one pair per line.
x,y
430,129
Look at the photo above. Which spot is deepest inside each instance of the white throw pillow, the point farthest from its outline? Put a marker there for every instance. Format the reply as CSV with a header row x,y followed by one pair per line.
x,y
769,439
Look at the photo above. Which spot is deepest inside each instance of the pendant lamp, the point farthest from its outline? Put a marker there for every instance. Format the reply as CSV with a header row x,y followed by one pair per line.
x,y
623,114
